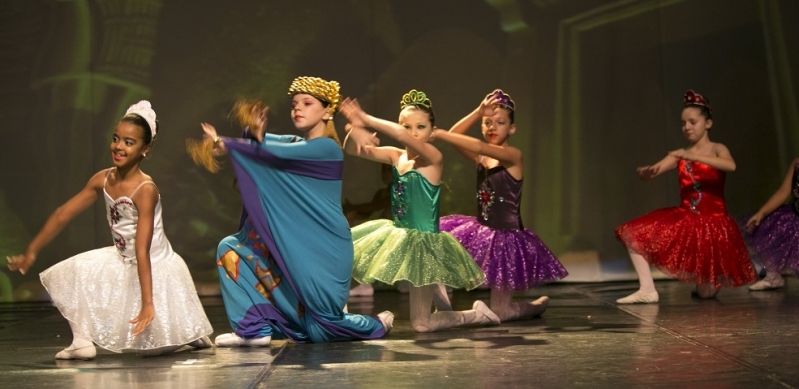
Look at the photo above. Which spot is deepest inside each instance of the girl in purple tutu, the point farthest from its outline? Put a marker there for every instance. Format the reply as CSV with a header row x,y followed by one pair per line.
x,y
512,257
773,232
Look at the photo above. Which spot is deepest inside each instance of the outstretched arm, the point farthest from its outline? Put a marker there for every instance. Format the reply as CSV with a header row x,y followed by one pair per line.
x,y
646,173
486,108
777,199
145,201
358,118
57,221
507,155
721,158
384,154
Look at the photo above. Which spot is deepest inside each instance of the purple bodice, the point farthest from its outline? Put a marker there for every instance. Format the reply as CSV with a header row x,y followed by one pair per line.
x,y
499,198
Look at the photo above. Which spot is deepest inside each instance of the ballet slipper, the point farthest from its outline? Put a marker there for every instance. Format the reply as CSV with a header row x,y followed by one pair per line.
x,y
538,306
83,353
771,281
387,318
233,340
203,342
489,317
639,297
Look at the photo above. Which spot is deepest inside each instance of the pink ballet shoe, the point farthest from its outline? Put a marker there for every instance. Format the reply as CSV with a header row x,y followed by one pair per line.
x,y
83,353
233,340
387,318
639,298
203,342
489,317
768,283
539,306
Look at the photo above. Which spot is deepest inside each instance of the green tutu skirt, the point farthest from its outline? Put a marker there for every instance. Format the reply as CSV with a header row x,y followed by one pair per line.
x,y
388,254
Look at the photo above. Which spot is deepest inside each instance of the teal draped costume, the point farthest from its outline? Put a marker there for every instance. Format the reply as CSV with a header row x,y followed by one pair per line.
x,y
286,272
411,247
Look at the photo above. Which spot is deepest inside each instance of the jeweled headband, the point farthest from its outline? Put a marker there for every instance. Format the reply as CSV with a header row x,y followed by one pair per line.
x,y
503,99
328,91
415,97
145,110
693,98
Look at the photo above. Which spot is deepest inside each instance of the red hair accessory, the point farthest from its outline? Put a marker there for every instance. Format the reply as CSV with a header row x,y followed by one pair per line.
x,y
693,98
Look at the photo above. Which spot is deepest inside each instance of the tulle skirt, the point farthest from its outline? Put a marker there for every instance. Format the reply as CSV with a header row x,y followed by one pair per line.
x,y
100,294
775,243
388,254
511,260
694,248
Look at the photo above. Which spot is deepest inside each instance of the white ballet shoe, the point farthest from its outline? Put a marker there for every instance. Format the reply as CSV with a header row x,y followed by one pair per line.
x,y
83,353
203,342
768,283
489,317
639,297
387,318
233,340
362,290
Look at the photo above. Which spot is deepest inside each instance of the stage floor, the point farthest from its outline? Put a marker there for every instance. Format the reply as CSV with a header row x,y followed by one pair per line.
x,y
740,339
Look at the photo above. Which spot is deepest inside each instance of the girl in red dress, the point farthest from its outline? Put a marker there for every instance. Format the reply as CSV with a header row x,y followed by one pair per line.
x,y
697,242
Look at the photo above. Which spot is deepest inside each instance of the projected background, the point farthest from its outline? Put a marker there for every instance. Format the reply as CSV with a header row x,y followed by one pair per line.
x,y
598,86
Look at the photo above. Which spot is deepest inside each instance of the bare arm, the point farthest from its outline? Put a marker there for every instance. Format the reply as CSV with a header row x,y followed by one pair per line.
x,y
358,118
507,155
486,108
646,173
384,154
777,199
57,221
721,158
145,200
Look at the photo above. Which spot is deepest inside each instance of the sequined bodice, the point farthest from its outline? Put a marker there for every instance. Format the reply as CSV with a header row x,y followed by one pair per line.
x,y
123,218
795,188
702,188
414,201
498,198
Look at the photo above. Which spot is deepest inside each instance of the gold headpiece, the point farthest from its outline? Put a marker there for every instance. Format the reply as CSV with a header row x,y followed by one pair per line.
x,y
415,97
328,91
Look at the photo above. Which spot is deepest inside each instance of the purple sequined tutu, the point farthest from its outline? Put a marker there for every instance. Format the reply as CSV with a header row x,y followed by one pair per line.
x,y
511,259
775,243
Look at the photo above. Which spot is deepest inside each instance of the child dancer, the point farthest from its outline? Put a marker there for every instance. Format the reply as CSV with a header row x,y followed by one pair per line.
x,y
139,278
697,242
773,232
286,272
512,257
411,247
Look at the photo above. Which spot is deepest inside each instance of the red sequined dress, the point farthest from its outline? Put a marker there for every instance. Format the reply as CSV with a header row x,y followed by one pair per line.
x,y
697,242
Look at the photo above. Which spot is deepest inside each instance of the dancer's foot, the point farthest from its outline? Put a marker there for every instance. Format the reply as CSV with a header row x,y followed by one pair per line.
x,y
705,291
771,281
387,318
203,342
639,297
362,290
489,317
83,353
539,305
233,340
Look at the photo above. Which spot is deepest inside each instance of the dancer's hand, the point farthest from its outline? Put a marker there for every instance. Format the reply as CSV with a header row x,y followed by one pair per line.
x,y
209,132
259,120
351,109
754,222
646,173
144,319
489,106
362,138
21,262
679,153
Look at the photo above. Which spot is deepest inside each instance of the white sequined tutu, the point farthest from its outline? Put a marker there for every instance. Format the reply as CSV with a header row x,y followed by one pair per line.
x,y
99,291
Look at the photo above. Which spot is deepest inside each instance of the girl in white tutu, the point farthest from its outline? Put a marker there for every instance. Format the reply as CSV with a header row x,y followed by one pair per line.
x,y
137,294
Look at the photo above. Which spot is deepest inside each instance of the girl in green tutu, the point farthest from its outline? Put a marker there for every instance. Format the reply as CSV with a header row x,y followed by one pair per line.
x,y
411,247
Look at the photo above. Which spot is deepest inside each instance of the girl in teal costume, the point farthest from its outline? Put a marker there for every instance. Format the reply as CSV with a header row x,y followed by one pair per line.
x,y
286,273
411,247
